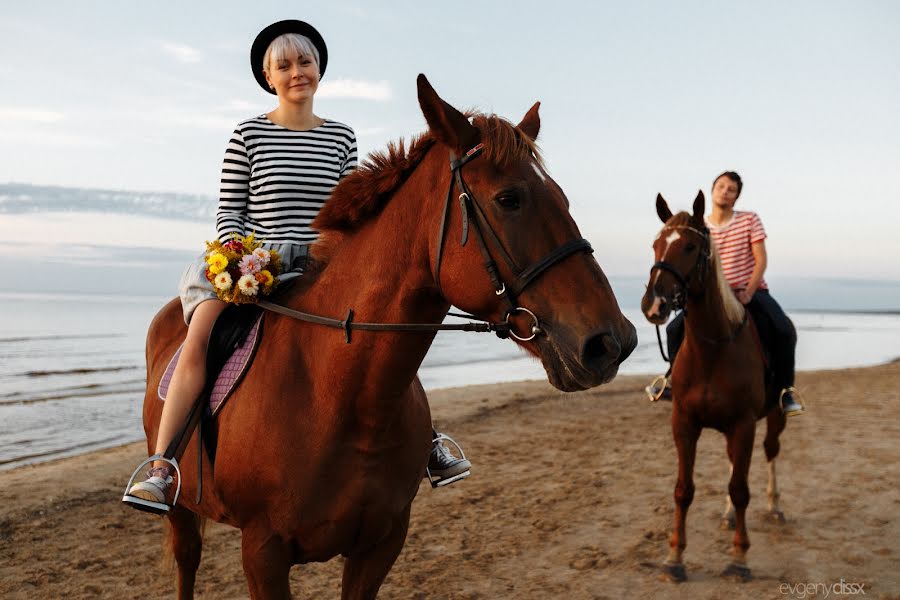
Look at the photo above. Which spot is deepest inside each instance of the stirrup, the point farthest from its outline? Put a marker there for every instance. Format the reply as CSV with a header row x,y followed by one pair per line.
x,y
662,380
157,508
798,397
436,483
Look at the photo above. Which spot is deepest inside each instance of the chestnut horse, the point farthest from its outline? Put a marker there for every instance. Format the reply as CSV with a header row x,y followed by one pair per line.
x,y
718,379
323,445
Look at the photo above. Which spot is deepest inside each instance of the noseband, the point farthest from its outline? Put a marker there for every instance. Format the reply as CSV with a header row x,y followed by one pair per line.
x,y
469,206
701,266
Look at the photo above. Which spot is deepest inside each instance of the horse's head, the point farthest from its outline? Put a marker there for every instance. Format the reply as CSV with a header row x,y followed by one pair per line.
x,y
506,247
682,254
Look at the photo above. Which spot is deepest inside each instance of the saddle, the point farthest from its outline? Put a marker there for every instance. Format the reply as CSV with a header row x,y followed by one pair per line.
x,y
232,345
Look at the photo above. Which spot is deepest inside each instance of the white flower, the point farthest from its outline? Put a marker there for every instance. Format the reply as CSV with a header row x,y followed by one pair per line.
x,y
262,255
248,285
223,280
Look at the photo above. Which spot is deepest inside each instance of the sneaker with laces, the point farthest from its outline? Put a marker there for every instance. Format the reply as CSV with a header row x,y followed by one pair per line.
x,y
151,494
445,468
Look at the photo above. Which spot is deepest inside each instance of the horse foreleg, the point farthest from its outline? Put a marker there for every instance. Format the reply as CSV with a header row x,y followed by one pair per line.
x,y
365,572
740,442
686,443
775,422
267,565
187,544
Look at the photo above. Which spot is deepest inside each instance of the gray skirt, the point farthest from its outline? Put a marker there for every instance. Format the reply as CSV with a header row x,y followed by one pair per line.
x,y
195,288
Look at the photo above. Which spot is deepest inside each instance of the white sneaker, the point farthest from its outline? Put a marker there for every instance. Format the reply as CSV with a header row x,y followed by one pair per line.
x,y
153,489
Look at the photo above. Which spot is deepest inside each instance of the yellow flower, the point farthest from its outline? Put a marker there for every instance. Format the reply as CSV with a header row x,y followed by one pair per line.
x,y
217,263
266,277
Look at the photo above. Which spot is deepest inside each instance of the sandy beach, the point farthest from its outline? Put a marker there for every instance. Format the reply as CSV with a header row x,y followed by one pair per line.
x,y
570,497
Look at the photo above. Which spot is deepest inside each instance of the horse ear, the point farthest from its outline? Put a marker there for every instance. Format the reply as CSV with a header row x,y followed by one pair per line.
x,y
699,206
662,209
447,124
531,122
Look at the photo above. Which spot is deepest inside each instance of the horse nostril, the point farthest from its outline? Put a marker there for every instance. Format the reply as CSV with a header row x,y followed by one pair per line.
x,y
600,351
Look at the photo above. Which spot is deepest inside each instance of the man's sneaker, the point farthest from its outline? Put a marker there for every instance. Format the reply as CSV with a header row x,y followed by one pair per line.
x,y
659,389
789,405
151,494
443,467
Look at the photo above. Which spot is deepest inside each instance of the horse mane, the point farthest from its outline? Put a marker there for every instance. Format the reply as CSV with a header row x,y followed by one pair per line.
x,y
364,193
734,310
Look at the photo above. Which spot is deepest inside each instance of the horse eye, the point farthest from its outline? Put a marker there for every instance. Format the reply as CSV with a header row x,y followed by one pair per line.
x,y
690,247
508,201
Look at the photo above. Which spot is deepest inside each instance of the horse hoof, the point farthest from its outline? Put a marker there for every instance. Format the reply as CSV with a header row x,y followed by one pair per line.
x,y
674,573
728,524
739,572
776,516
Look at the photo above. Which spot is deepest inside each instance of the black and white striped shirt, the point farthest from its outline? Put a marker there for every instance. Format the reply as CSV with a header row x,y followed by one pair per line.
x,y
275,180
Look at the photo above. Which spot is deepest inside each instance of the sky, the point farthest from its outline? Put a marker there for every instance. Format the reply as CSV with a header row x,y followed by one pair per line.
x,y
637,98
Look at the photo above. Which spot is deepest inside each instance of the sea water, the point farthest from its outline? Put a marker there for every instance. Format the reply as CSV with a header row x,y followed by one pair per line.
x,y
72,369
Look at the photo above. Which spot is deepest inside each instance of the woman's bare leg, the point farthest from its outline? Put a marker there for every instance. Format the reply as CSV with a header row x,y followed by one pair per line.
x,y
189,376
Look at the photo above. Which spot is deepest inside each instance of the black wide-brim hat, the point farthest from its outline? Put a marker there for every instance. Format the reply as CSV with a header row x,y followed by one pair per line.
x,y
265,37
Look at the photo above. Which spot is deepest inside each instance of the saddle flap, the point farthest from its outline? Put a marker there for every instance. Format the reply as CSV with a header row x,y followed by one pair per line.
x,y
231,363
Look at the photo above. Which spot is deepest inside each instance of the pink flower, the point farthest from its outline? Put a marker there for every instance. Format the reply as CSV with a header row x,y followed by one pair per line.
x,y
263,256
249,265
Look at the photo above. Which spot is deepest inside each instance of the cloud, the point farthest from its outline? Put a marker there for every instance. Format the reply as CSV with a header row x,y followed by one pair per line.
x,y
181,52
30,115
354,88
56,139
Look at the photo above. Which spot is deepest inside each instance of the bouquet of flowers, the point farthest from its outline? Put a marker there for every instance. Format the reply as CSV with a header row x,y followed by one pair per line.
x,y
241,270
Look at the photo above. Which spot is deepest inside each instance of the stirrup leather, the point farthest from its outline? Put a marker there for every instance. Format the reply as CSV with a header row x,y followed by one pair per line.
x,y
159,508
436,483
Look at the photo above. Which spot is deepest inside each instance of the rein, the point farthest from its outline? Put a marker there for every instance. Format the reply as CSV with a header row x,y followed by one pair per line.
x,y
348,324
479,223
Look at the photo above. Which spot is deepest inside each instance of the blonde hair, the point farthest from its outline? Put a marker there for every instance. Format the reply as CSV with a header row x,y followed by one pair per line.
x,y
289,44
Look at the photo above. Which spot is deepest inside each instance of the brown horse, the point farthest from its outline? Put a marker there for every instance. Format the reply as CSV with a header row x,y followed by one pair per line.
x,y
718,379
322,446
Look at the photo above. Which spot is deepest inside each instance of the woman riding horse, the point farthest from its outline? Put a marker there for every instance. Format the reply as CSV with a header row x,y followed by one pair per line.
x,y
323,444
278,172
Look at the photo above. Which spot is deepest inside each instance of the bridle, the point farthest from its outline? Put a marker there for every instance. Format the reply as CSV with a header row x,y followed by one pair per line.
x,y
479,224
469,205
700,267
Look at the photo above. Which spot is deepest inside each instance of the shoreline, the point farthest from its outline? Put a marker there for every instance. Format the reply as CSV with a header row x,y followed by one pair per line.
x,y
437,397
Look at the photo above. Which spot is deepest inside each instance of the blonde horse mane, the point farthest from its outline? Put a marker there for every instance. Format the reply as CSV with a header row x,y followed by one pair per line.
x,y
734,310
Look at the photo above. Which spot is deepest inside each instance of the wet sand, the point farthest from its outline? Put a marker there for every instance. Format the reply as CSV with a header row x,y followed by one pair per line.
x,y
570,497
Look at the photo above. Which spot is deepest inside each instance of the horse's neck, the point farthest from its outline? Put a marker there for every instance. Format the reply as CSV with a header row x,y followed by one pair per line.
x,y
382,271
706,314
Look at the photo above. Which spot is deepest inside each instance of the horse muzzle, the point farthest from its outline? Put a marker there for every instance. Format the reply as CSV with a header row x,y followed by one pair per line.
x,y
594,361
656,308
